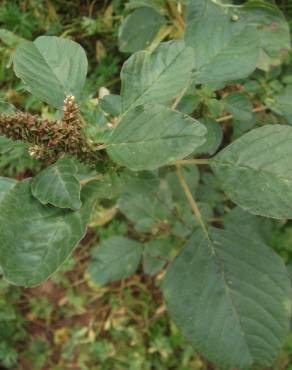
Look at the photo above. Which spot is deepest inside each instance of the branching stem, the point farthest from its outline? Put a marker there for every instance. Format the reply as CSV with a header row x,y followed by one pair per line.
x,y
191,200
177,17
230,116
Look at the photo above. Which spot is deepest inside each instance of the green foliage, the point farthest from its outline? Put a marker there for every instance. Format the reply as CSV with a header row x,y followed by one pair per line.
x,y
224,297
5,185
58,185
161,152
149,77
238,37
48,235
117,258
138,139
156,255
255,171
139,29
51,68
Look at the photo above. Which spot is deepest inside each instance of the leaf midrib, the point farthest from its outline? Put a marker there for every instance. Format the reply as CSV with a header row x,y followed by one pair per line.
x,y
133,103
227,289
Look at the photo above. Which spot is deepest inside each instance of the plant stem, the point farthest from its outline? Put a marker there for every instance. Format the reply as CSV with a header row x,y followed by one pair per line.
x,y
179,98
89,179
161,35
192,201
100,147
230,116
179,21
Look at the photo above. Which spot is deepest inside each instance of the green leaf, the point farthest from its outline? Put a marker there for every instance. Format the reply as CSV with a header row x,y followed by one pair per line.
x,y
215,107
35,239
115,259
58,185
9,38
255,171
209,191
213,139
186,223
139,29
273,30
281,104
225,49
231,297
188,104
5,185
155,256
253,226
108,186
139,182
148,210
158,5
231,41
111,104
239,106
191,175
51,67
156,77
151,136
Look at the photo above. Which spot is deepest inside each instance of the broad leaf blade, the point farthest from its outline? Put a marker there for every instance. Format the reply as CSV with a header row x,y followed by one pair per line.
x,y
139,29
51,67
239,106
225,49
151,136
156,255
231,41
115,259
273,30
214,137
281,103
231,298
149,209
34,239
255,171
5,185
57,185
156,77
111,104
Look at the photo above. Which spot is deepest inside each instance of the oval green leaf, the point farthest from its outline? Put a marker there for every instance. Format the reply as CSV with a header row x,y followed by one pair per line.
x,y
36,239
255,171
115,259
156,77
5,185
57,185
225,49
139,29
51,67
151,136
231,297
231,41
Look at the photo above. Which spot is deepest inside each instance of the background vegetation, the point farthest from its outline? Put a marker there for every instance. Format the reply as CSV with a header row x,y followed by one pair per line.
x,y
68,322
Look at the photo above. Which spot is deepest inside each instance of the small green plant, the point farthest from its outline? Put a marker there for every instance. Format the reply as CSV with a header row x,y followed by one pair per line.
x,y
227,291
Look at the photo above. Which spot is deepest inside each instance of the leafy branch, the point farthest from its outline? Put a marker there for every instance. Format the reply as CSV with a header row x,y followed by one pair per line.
x,y
191,200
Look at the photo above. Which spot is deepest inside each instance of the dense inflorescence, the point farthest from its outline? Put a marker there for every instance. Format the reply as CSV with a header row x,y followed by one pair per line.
x,y
50,138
